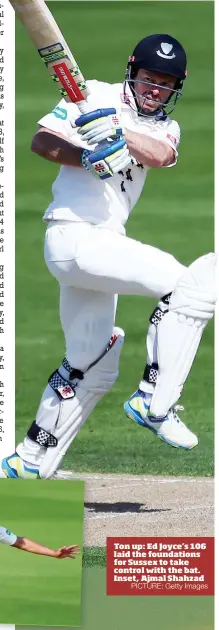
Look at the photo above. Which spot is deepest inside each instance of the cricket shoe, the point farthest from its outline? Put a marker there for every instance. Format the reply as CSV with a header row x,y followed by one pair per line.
x,y
16,468
170,429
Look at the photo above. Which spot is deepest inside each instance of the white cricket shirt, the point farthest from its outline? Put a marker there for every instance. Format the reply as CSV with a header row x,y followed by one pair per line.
x,y
77,194
6,537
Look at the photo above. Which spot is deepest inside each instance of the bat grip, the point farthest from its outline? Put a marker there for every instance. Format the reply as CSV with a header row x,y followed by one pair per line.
x,y
83,107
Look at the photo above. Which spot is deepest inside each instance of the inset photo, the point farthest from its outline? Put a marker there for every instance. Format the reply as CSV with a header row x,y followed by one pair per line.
x,y
41,538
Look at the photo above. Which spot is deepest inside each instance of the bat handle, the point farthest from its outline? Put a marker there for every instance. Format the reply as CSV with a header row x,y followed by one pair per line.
x,y
83,107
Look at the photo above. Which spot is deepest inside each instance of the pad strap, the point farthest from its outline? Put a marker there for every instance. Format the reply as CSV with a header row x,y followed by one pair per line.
x,y
73,372
151,373
158,314
62,387
42,437
166,298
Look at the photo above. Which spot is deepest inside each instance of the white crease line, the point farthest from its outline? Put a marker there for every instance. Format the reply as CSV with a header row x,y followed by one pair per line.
x,y
112,488
144,480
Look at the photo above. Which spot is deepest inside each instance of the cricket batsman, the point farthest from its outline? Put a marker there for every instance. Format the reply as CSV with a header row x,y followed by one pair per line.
x,y
105,157
8,538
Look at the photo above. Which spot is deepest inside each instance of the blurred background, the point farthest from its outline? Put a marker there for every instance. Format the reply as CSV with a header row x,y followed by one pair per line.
x,y
175,213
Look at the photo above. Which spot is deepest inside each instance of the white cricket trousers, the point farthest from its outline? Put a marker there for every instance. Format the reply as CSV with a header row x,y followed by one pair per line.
x,y
93,265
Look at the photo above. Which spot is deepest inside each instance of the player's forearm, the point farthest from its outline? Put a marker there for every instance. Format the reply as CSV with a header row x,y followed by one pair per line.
x,y
55,148
148,151
33,547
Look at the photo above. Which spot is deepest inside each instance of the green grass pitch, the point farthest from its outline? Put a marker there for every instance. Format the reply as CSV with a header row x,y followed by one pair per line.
x,y
175,213
36,589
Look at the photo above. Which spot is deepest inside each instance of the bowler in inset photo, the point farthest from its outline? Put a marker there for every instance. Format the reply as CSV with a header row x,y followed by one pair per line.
x,y
46,521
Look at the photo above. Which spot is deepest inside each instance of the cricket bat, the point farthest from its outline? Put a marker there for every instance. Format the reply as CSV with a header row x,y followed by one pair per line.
x,y
53,50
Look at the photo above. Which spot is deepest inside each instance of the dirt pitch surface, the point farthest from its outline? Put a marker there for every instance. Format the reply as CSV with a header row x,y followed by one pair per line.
x,y
123,505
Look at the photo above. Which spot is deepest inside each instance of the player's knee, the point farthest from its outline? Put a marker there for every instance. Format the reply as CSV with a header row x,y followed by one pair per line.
x,y
195,294
60,270
102,374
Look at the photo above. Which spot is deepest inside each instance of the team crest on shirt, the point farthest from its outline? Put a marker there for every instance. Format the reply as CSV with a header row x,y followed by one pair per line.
x,y
172,139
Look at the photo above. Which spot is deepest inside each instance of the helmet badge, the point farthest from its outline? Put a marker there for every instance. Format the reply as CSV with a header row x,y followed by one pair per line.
x,y
166,48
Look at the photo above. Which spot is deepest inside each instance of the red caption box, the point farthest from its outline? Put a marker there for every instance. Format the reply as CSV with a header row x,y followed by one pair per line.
x,y
160,566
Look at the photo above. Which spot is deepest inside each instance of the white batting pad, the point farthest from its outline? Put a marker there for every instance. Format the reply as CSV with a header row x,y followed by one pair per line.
x,y
71,414
192,305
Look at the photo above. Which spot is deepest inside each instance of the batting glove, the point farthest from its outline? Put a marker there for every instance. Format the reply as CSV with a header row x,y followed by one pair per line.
x,y
108,160
100,125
